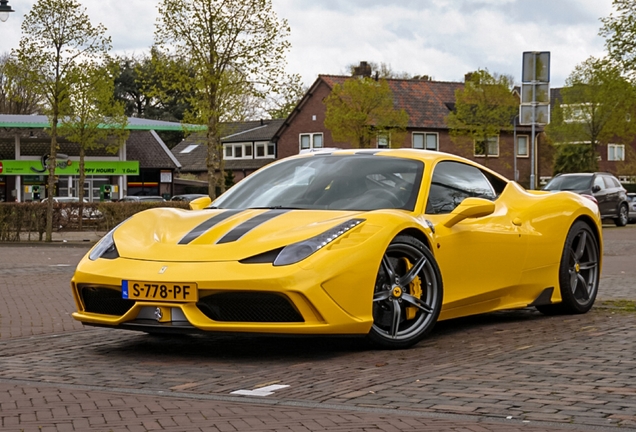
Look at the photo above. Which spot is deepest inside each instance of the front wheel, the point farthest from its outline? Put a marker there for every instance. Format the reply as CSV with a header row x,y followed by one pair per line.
x,y
579,272
623,216
408,295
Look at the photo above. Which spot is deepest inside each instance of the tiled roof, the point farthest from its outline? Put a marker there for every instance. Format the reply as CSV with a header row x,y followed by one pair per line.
x,y
251,131
426,102
146,147
194,157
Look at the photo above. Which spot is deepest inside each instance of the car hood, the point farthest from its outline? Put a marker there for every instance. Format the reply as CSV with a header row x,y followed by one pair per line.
x,y
176,235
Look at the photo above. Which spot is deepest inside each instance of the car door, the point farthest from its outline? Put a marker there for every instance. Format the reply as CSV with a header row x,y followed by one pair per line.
x,y
479,257
601,192
614,192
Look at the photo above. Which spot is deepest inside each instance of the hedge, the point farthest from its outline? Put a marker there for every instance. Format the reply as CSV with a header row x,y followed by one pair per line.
x,y
27,221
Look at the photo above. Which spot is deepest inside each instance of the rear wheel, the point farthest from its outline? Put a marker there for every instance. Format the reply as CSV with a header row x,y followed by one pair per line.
x,y
408,295
578,273
623,216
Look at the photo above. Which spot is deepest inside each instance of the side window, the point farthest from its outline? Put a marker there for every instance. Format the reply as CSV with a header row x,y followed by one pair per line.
x,y
611,182
598,181
454,181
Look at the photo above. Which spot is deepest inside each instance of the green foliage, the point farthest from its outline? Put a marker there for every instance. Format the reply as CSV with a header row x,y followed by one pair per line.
x,y
483,108
381,70
56,36
27,221
573,158
619,31
226,52
361,109
95,119
16,97
596,108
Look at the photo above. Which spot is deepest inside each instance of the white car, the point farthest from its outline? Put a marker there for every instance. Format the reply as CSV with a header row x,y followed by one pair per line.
x,y
69,211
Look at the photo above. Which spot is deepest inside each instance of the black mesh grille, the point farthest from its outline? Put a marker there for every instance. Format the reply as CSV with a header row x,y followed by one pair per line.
x,y
248,307
105,301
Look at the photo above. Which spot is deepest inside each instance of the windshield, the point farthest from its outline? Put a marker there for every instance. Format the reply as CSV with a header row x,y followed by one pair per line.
x,y
565,183
350,182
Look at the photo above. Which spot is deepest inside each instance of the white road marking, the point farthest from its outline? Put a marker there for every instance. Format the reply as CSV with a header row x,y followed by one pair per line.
x,y
263,391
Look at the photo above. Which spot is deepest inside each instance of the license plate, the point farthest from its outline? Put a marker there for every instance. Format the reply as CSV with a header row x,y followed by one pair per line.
x,y
166,291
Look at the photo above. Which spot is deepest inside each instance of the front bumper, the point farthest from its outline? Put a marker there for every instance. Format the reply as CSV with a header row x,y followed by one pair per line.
x,y
319,298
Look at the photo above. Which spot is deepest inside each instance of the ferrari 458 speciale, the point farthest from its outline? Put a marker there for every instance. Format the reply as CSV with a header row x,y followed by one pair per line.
x,y
381,243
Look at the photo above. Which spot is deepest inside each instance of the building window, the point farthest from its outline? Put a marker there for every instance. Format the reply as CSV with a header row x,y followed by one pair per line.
x,y
384,140
491,144
522,145
310,141
426,141
615,152
238,151
265,150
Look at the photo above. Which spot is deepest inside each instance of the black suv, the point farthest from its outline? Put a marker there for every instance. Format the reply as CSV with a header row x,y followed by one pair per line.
x,y
604,187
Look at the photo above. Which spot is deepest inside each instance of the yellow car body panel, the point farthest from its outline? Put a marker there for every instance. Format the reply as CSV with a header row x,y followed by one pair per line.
x,y
501,260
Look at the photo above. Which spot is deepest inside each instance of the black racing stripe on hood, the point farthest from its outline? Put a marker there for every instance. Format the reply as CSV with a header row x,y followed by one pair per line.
x,y
249,225
205,226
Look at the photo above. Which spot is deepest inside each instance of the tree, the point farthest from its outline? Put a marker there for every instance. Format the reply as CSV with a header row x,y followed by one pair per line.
x,y
595,108
484,107
94,119
361,110
379,70
56,35
619,31
15,96
232,49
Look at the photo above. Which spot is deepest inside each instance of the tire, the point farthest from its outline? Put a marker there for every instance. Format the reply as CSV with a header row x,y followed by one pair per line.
x,y
408,293
623,216
579,272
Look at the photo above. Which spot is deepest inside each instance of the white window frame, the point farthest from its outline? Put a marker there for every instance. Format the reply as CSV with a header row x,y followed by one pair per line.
x,y
233,146
424,140
383,137
611,152
496,137
312,139
575,113
527,154
265,145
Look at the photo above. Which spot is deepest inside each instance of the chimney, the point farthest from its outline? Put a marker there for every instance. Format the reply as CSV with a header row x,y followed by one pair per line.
x,y
364,70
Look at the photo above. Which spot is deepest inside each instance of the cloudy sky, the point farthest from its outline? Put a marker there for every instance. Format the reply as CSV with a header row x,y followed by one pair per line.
x,y
440,38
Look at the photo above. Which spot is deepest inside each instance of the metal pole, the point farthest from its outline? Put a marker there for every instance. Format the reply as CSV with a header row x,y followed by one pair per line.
x,y
534,111
514,148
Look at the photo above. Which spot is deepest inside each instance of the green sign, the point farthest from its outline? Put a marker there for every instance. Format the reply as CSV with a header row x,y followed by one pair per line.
x,y
69,167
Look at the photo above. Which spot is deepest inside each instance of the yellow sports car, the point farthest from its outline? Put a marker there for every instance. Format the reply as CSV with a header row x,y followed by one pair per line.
x,y
382,243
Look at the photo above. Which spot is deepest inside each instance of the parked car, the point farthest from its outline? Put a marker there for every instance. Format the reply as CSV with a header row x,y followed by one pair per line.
x,y
69,210
187,197
608,192
376,243
632,207
142,198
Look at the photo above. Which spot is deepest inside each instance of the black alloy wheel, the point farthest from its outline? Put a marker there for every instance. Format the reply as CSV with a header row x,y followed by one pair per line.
x,y
579,272
623,216
408,295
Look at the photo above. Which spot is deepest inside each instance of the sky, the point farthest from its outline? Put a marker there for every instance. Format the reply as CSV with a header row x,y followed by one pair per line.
x,y
441,38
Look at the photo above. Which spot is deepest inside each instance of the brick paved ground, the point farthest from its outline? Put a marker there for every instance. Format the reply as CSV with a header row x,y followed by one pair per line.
x,y
500,372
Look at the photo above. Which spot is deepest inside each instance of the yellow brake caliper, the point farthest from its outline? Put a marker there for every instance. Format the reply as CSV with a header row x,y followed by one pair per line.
x,y
415,289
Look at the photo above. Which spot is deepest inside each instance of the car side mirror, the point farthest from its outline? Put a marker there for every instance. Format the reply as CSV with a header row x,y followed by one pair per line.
x,y
200,203
470,208
596,188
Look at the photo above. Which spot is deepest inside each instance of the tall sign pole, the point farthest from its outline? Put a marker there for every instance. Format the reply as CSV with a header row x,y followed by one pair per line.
x,y
535,99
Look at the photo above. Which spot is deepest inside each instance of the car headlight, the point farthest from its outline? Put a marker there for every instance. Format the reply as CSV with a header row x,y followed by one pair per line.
x,y
105,248
296,252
